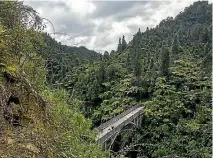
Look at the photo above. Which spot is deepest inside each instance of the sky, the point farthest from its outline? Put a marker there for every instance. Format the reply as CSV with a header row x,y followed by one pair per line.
x,y
98,25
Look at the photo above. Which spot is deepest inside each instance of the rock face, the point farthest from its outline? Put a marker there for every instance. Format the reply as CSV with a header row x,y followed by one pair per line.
x,y
23,125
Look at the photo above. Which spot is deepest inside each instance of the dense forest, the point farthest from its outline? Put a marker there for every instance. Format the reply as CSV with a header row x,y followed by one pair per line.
x,y
61,59
53,96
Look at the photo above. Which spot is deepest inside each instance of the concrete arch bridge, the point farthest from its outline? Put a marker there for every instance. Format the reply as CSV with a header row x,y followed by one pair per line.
x,y
109,130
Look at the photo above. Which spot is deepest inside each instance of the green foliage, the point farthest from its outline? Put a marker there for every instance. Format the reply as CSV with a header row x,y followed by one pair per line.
x,y
165,59
71,131
60,59
175,47
124,44
119,46
116,99
49,123
179,114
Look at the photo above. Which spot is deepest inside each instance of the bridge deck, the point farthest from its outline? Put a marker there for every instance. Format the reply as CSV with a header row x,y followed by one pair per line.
x,y
115,124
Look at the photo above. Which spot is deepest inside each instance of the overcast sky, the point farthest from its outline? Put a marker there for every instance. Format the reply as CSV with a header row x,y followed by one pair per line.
x,y
99,24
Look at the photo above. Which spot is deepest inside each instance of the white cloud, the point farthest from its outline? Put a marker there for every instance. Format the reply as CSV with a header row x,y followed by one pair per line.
x,y
81,8
171,9
98,25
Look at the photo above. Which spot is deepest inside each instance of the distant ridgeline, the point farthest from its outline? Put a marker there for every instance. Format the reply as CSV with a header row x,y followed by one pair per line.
x,y
61,59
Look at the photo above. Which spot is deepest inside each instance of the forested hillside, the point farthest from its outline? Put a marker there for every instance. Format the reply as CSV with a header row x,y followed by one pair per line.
x,y
35,119
62,58
167,69
52,96
130,74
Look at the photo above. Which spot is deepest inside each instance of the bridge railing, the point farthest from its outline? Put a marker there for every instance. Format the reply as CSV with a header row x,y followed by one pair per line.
x,y
116,118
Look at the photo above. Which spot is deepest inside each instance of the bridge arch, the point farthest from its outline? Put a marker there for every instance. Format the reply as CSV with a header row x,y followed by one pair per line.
x,y
133,127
